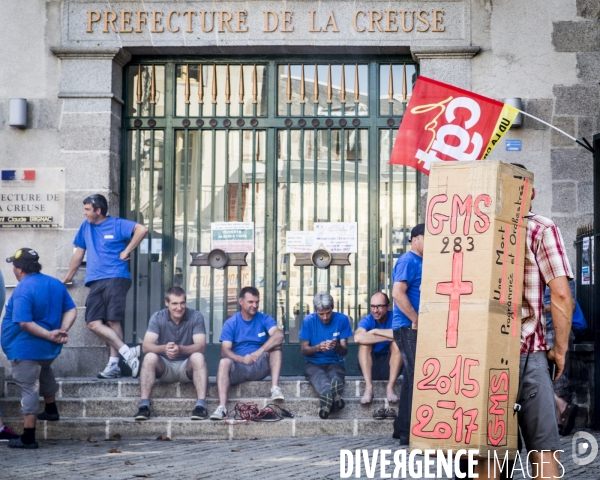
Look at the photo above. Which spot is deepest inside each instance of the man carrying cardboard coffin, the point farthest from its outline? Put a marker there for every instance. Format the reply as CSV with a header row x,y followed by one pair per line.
x,y
38,316
407,294
250,350
174,347
378,357
546,263
324,336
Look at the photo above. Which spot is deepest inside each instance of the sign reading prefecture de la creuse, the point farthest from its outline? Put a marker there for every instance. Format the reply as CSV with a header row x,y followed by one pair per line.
x,y
32,198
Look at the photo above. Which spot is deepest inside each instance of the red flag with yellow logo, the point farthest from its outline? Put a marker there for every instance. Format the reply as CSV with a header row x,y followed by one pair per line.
x,y
446,123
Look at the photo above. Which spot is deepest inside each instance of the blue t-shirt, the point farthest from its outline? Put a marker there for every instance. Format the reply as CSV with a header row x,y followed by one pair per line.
x,y
408,269
369,323
103,243
2,292
315,331
41,299
247,336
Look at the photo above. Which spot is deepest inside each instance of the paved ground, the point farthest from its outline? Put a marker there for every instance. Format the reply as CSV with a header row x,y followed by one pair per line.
x,y
279,458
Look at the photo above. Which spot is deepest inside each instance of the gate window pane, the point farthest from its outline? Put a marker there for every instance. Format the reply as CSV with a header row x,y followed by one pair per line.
x,y
146,94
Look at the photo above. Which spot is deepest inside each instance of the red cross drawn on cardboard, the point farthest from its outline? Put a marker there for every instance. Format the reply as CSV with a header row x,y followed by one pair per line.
x,y
455,288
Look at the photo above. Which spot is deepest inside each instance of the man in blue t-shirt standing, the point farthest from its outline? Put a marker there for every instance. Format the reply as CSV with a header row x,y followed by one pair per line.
x,y
406,292
324,336
250,350
38,316
378,357
108,242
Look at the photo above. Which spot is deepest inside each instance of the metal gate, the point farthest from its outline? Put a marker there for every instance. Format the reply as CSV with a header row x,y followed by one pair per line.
x,y
280,142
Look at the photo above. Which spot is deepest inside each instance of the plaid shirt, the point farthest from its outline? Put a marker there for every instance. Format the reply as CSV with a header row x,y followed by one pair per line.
x,y
545,259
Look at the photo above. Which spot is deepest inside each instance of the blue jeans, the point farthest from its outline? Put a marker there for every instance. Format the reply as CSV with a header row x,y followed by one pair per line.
x,y
406,339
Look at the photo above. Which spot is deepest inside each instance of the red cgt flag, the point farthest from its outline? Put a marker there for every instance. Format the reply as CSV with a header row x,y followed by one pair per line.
x,y
446,123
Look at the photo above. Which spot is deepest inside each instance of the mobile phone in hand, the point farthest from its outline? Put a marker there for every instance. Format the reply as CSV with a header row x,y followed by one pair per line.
x,y
552,369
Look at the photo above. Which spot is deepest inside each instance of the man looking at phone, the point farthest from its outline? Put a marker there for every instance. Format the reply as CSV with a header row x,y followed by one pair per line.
x,y
324,336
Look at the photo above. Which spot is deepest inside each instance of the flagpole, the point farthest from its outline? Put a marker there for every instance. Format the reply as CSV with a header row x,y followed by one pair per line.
x,y
587,147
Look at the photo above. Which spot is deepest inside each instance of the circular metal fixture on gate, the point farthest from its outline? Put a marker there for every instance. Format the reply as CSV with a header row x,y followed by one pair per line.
x,y
321,258
343,122
302,122
152,122
186,123
254,122
217,258
137,123
391,122
329,122
356,122
200,122
288,122
227,123
213,122
315,122
240,122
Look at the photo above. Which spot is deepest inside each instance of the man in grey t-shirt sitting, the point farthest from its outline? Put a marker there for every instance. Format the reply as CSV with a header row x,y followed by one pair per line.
x,y
174,347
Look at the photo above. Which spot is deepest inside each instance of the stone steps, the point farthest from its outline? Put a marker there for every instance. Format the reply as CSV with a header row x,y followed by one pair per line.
x,y
100,429
102,408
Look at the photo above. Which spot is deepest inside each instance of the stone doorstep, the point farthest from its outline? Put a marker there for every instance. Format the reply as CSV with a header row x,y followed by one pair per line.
x,y
98,407
129,387
101,429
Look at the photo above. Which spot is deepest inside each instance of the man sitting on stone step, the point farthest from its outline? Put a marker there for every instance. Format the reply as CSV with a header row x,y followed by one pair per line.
x,y
250,350
38,316
324,336
378,355
174,347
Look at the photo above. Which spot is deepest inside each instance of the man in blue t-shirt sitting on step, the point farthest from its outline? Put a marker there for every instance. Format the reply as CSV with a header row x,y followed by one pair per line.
x,y
324,336
378,357
250,350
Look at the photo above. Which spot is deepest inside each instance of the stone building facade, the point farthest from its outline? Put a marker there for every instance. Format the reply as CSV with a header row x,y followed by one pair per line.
x,y
68,59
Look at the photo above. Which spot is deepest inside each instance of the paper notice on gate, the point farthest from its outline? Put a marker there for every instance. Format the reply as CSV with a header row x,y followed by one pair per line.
x,y
335,237
300,242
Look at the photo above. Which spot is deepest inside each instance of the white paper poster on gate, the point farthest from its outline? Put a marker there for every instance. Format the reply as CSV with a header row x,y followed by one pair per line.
x,y
232,236
335,237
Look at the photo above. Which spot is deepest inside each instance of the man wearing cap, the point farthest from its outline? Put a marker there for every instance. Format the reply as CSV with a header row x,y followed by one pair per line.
x,y
406,293
109,242
38,316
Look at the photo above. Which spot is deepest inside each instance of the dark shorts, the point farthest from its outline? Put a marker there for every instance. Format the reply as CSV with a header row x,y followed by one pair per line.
x,y
106,300
247,373
381,366
537,417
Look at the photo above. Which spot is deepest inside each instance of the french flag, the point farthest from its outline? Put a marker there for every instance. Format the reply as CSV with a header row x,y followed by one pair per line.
x,y
8,175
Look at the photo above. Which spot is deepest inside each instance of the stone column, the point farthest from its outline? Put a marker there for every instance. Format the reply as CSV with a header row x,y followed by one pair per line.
x,y
450,65
91,89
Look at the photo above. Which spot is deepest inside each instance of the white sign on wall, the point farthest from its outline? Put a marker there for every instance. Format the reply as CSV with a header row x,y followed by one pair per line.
x,y
32,198
335,237
232,236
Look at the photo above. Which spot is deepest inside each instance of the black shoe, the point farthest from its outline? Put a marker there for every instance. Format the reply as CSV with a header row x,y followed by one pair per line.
x,y
403,441
51,417
326,403
143,413
8,434
199,413
18,443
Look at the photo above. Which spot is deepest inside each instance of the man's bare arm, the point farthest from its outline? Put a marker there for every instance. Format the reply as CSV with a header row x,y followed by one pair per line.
x,y
227,352
341,347
561,309
377,335
199,345
275,340
403,302
149,344
76,261
139,232
68,319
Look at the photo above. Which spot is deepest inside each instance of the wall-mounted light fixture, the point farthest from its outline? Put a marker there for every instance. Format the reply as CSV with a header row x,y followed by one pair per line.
x,y
518,104
17,112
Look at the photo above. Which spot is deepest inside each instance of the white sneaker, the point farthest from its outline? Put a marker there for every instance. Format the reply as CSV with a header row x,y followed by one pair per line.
x,y
276,393
134,361
112,370
220,413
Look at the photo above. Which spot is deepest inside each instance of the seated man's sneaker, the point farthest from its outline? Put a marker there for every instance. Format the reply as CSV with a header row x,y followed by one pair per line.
x,y
51,417
7,434
219,414
326,402
143,413
112,370
276,393
199,413
18,443
134,361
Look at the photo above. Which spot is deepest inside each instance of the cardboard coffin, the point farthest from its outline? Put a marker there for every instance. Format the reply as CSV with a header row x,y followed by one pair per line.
x,y
467,362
